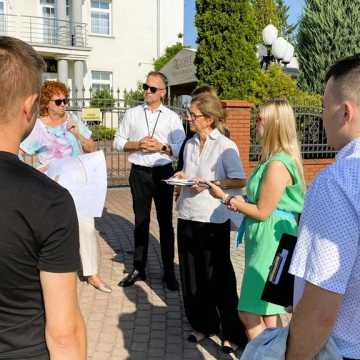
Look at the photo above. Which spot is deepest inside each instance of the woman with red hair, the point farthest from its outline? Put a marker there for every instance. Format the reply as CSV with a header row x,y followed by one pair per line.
x,y
56,135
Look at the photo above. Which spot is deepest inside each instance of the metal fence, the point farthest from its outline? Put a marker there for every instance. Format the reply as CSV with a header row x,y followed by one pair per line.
x,y
310,130
44,30
112,112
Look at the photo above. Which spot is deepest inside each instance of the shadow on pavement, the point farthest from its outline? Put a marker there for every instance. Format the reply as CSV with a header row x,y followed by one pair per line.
x,y
153,322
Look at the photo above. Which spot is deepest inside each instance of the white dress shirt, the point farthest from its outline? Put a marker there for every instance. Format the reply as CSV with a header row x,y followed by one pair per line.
x,y
219,159
163,124
327,252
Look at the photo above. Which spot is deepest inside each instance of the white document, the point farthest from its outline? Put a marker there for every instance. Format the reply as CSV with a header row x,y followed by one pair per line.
x,y
179,182
86,180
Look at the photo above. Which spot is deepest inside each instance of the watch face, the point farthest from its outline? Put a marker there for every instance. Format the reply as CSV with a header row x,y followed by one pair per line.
x,y
164,148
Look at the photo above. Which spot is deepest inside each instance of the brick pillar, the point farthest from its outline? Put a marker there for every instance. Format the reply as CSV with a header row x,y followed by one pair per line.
x,y
238,122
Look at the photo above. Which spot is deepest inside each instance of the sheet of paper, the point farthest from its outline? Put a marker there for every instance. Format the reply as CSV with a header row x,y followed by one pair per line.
x,y
179,182
86,180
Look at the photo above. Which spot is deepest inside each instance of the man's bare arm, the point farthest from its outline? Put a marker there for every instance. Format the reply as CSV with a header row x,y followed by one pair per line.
x,y
132,146
65,327
312,322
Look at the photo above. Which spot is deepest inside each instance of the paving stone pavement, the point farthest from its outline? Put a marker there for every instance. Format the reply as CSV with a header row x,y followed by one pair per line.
x,y
145,321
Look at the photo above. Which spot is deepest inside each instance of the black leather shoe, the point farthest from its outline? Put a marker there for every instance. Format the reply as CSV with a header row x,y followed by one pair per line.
x,y
132,278
170,281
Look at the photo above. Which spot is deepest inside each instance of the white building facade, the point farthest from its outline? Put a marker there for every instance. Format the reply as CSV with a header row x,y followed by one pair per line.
x,y
95,43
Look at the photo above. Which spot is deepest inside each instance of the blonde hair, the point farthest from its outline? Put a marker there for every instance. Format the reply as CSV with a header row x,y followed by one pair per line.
x,y
280,133
211,107
204,89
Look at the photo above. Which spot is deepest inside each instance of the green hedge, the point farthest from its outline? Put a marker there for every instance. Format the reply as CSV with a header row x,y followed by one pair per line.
x,y
100,132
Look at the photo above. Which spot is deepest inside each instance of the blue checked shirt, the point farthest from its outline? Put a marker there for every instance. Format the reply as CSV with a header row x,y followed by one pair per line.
x,y
327,253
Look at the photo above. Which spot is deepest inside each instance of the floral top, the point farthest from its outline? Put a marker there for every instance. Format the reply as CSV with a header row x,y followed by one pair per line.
x,y
51,143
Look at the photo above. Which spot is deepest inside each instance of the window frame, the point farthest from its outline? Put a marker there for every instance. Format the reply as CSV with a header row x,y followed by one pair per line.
x,y
3,25
101,83
108,11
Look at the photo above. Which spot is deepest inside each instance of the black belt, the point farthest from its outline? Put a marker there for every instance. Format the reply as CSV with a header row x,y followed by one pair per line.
x,y
150,168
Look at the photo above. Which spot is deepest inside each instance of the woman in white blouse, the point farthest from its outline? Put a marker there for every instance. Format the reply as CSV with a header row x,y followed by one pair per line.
x,y
207,275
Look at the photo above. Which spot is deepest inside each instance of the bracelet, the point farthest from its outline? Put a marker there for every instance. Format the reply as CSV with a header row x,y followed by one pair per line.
x,y
226,199
229,199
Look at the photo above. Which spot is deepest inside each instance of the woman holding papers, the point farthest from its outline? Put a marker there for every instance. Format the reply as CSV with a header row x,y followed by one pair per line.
x,y
275,196
207,276
58,135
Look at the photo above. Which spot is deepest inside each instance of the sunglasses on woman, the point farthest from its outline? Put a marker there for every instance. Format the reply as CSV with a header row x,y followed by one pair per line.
x,y
58,102
153,89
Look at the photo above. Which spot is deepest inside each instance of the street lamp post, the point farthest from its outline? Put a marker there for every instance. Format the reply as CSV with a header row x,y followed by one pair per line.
x,y
274,48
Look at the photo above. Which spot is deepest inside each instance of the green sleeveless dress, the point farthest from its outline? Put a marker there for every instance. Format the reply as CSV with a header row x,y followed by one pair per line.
x,y
261,238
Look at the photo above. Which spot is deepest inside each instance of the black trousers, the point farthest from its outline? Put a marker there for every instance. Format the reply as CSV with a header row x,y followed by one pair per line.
x,y
208,279
146,184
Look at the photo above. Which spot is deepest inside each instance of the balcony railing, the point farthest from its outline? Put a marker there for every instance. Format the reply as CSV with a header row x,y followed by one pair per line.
x,y
44,31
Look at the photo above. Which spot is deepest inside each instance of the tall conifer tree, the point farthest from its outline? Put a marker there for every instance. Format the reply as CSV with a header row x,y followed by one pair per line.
x,y
226,54
266,12
328,31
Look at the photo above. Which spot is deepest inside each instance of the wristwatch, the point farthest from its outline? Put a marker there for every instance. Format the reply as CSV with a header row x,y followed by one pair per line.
x,y
164,148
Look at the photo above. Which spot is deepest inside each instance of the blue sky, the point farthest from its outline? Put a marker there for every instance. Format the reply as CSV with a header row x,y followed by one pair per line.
x,y
295,10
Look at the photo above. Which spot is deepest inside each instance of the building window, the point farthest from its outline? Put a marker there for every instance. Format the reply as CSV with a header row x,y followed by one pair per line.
x,y
48,21
100,17
2,17
68,8
101,80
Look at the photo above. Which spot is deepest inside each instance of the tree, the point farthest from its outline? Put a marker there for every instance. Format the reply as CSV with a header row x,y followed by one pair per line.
x,y
170,52
274,83
134,97
328,31
266,12
226,54
103,99
286,29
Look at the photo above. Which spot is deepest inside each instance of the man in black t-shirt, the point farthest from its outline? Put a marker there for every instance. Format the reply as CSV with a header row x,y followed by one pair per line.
x,y
39,246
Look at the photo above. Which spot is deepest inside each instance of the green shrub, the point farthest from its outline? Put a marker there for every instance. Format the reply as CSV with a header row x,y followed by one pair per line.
x,y
134,97
303,98
170,52
100,132
274,83
102,99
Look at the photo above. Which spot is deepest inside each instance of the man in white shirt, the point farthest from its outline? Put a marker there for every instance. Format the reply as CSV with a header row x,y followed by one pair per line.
x,y
326,261
153,135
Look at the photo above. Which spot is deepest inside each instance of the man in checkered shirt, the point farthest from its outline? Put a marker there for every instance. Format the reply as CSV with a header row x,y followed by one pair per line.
x,y
326,260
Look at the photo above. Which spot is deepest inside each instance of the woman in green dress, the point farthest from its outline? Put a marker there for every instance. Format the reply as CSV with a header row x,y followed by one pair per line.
x,y
275,196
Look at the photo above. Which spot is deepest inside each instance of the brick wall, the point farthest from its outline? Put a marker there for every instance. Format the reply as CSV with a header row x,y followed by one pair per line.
x,y
238,122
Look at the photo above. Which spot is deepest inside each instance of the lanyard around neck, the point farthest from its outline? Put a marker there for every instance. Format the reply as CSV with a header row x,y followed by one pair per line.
x,y
147,123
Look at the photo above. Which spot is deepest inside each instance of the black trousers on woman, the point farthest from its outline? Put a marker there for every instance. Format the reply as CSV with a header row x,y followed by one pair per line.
x,y
208,279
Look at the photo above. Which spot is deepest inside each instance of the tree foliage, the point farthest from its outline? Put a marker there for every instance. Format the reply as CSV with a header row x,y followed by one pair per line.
x,y
226,54
170,52
103,99
328,31
134,97
274,83
266,12
287,30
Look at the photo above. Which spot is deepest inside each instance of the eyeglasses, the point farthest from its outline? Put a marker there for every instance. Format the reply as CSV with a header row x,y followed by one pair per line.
x,y
58,102
153,89
193,116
